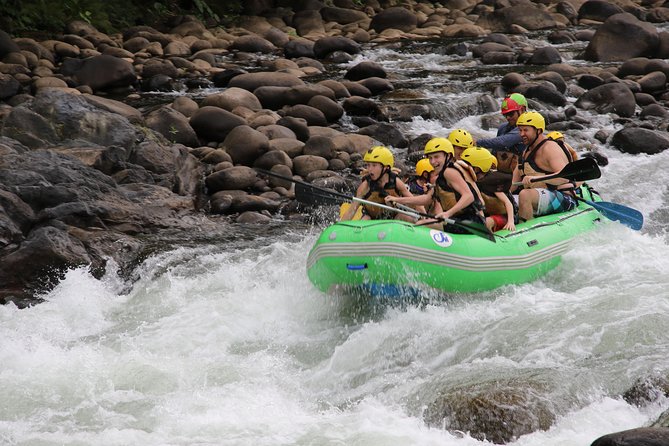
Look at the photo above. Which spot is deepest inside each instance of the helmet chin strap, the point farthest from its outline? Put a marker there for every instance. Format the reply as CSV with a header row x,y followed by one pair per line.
x,y
535,139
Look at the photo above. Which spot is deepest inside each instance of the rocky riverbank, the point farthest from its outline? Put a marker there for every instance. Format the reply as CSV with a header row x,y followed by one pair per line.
x,y
85,179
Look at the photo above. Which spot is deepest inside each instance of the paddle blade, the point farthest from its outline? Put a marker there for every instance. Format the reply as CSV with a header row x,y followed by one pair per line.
x,y
474,228
618,212
581,170
306,194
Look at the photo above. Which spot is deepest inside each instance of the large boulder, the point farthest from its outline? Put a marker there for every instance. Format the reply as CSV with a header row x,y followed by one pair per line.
x,y
526,15
56,116
299,48
172,125
251,81
394,18
105,72
231,98
245,144
234,178
213,123
609,98
598,10
643,436
327,45
305,164
640,140
252,44
622,37
365,69
343,16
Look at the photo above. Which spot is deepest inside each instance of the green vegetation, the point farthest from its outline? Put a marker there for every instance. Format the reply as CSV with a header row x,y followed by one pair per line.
x,y
50,17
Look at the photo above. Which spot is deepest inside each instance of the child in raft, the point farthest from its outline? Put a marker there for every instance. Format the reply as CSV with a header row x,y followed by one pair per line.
x,y
379,182
500,209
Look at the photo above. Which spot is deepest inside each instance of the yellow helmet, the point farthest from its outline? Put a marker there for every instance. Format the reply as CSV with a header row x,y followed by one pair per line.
x,y
439,145
554,135
479,157
423,166
533,119
461,138
380,154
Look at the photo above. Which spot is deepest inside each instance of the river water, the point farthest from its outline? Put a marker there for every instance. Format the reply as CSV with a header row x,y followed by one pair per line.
x,y
229,344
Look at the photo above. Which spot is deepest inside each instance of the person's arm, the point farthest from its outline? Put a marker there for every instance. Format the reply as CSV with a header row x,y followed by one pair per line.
x,y
412,200
506,141
402,188
515,178
350,212
510,224
459,184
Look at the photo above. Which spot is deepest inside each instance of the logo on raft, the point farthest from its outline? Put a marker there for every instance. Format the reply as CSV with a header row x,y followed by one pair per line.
x,y
441,238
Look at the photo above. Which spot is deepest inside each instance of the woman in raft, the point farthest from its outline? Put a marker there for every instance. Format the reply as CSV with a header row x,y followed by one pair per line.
x,y
380,182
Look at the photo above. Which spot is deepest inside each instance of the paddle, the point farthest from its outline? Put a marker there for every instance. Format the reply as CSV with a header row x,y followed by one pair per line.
x,y
316,195
580,170
617,212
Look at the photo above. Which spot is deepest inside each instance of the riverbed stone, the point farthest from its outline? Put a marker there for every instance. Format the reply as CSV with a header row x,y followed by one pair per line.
x,y
394,18
365,69
303,165
545,56
653,82
291,146
622,37
637,140
609,98
327,45
311,115
172,125
231,98
297,125
377,85
598,10
299,48
214,123
654,110
339,90
643,436
245,144
251,81
276,131
253,44
237,177
250,217
272,158
330,109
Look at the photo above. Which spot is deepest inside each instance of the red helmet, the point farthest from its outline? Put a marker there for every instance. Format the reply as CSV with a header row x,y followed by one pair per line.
x,y
509,105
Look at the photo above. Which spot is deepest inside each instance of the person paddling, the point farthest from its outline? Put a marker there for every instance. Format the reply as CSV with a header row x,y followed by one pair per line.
x,y
418,184
500,209
541,158
455,193
379,182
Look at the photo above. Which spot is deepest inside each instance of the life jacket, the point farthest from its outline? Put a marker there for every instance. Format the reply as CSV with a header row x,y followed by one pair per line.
x,y
528,166
415,187
491,183
377,193
448,197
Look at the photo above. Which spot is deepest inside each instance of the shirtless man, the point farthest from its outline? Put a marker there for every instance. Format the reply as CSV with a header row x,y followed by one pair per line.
x,y
541,158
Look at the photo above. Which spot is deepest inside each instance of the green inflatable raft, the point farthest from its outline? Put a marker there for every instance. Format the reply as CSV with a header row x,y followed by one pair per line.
x,y
391,257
